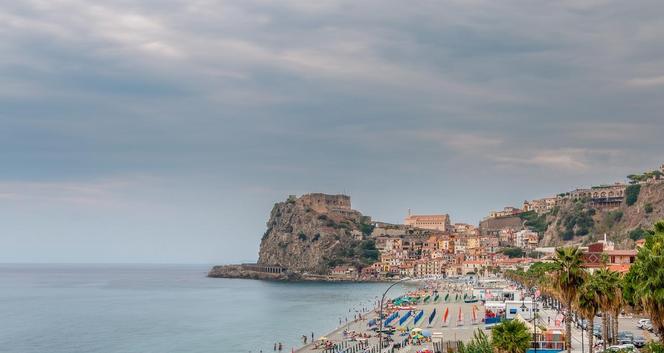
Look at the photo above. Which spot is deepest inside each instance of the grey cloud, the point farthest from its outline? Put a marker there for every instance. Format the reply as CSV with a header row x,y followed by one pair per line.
x,y
401,104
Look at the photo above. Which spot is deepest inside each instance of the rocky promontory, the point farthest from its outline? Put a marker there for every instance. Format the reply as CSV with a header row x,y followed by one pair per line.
x,y
307,236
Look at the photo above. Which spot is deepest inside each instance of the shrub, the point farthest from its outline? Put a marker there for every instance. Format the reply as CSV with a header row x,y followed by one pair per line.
x,y
369,252
638,233
534,221
513,252
568,234
632,194
366,229
654,347
648,208
614,216
302,236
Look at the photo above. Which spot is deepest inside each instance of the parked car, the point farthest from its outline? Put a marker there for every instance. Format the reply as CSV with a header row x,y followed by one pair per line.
x,y
597,331
639,341
626,334
642,322
622,348
625,337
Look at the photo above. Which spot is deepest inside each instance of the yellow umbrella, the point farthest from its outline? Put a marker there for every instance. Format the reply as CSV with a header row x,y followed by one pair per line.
x,y
323,338
417,329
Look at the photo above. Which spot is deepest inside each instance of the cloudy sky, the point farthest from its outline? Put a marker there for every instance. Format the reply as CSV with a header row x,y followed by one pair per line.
x,y
164,131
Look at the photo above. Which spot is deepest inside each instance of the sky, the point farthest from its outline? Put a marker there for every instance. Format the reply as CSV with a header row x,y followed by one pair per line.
x,y
164,131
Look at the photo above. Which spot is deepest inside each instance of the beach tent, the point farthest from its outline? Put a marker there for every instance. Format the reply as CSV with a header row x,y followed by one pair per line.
x,y
432,316
404,318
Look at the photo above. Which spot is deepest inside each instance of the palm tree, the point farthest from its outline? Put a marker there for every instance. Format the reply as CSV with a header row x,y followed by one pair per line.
x,y
479,344
511,337
587,303
568,277
644,282
615,281
606,298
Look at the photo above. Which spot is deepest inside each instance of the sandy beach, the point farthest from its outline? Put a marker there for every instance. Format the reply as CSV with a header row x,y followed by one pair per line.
x,y
451,330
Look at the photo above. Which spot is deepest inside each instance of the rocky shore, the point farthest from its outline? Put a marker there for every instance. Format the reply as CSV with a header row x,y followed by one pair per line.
x,y
238,271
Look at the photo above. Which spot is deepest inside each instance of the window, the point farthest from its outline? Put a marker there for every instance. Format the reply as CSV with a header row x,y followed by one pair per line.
x,y
513,311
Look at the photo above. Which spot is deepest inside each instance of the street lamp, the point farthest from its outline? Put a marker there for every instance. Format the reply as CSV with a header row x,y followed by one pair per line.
x,y
380,315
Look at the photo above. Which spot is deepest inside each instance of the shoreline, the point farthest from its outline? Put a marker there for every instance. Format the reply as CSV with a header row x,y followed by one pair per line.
x,y
239,272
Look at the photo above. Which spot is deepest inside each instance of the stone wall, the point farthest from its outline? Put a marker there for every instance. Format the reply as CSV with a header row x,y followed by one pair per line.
x,y
323,203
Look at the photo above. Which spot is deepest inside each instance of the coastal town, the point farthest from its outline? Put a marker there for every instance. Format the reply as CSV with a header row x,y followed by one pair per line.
x,y
462,280
431,245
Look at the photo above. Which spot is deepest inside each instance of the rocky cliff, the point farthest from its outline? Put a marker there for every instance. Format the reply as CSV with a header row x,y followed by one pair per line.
x,y
583,221
315,232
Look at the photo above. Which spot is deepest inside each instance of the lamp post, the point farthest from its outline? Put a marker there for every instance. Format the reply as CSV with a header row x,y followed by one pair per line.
x,y
380,315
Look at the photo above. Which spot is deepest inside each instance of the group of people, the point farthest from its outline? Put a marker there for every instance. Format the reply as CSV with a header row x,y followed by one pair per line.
x,y
324,345
354,336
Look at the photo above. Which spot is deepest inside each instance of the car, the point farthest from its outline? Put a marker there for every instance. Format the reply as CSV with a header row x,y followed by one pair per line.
x,y
639,341
642,322
626,334
622,348
648,327
625,340
625,337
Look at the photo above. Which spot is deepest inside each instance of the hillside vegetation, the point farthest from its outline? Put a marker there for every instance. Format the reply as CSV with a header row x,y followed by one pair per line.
x,y
580,221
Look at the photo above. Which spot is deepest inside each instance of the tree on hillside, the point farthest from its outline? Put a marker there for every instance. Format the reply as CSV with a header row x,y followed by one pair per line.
x,y
513,252
511,337
568,277
645,280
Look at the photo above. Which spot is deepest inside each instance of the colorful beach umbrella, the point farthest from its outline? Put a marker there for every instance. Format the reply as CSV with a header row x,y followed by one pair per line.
x,y
447,312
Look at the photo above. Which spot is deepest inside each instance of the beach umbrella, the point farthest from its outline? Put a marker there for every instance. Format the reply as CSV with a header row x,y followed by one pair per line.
x,y
322,338
447,296
426,333
417,329
447,312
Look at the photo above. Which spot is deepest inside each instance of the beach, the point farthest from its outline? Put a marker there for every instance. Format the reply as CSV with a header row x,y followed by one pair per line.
x,y
358,335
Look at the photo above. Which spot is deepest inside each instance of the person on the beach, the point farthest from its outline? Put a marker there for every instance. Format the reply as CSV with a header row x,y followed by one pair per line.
x,y
280,346
312,335
275,347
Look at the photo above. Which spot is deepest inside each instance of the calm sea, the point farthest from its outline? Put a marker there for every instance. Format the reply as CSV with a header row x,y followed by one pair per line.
x,y
163,309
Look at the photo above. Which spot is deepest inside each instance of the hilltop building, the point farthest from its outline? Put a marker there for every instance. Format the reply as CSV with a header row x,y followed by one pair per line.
x,y
540,205
506,212
440,222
